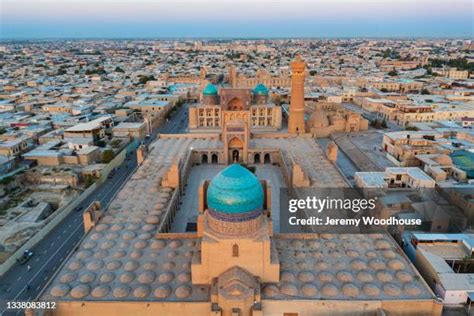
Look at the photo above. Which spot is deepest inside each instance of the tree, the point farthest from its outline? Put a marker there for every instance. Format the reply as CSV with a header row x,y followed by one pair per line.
x,y
252,169
107,155
118,69
89,180
61,71
101,143
116,143
393,73
425,91
145,79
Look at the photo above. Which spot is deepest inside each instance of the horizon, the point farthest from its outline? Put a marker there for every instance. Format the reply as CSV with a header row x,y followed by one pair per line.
x,y
212,19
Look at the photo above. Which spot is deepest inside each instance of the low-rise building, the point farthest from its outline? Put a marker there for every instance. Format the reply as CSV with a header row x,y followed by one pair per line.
x,y
55,153
130,130
403,147
394,177
14,147
94,130
445,262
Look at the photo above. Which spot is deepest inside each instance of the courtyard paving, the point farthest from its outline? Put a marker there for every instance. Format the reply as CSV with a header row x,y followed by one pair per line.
x,y
187,212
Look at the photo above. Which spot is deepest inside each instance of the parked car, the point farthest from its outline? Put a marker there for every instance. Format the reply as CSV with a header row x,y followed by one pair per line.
x,y
112,173
27,254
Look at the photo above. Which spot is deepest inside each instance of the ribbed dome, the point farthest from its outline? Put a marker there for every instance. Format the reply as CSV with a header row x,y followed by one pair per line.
x,y
235,190
210,89
260,89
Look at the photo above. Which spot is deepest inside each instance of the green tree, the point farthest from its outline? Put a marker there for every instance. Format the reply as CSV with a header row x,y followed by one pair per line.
x,y
107,155
101,143
145,79
89,180
393,73
116,143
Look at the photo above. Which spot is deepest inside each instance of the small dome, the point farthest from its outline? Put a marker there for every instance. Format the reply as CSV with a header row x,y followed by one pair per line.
x,y
235,190
210,89
260,89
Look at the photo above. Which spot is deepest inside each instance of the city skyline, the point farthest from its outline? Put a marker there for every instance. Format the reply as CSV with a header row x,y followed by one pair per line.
x,y
26,19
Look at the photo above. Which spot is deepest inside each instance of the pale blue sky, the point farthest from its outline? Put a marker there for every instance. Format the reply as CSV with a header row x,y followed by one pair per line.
x,y
235,18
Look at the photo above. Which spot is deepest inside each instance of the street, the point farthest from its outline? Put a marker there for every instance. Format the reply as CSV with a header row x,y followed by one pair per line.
x,y
19,284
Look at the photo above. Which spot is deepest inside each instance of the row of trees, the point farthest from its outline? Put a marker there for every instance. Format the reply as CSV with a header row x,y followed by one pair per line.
x,y
459,63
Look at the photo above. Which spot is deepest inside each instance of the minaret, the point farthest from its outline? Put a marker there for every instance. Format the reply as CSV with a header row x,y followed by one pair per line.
x,y
232,76
296,119
202,73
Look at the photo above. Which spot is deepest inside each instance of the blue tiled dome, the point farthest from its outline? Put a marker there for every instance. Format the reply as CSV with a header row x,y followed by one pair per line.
x,y
235,190
260,89
210,89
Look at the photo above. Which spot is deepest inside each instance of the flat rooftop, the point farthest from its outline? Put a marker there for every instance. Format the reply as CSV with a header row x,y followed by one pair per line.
x,y
128,125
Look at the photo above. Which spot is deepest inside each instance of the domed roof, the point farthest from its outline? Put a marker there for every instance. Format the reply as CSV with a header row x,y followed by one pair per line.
x,y
210,89
260,89
235,190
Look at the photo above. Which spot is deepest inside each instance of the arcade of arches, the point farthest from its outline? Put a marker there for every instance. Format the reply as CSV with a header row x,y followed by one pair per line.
x,y
214,157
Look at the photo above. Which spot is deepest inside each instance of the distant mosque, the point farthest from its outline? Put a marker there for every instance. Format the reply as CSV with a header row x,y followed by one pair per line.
x,y
264,114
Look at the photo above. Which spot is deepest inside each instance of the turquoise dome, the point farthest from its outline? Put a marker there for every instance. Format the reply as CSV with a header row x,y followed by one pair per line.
x,y
260,89
210,89
235,190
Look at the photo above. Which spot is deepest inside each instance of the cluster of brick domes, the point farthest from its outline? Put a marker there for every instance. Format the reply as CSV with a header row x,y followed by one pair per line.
x,y
344,267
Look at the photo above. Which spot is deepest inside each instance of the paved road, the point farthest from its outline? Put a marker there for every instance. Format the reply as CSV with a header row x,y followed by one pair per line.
x,y
19,284
345,164
177,124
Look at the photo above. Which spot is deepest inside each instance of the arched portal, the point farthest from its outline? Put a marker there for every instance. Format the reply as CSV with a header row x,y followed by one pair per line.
x,y
235,143
235,104
235,155
256,158
204,158
214,159
266,158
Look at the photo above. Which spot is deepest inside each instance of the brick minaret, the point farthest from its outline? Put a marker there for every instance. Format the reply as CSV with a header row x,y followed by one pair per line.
x,y
233,76
296,119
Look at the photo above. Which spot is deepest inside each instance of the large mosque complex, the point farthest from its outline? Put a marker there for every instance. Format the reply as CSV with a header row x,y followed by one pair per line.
x,y
236,262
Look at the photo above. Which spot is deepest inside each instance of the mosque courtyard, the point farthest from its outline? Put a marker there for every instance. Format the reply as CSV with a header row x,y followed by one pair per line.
x,y
187,211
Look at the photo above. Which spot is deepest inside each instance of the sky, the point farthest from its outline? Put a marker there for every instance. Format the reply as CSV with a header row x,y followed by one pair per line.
x,y
36,19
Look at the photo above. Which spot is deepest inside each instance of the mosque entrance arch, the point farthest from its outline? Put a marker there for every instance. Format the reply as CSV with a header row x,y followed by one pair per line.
x,y
236,143
266,158
256,158
235,155
204,158
235,104
214,159
236,147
